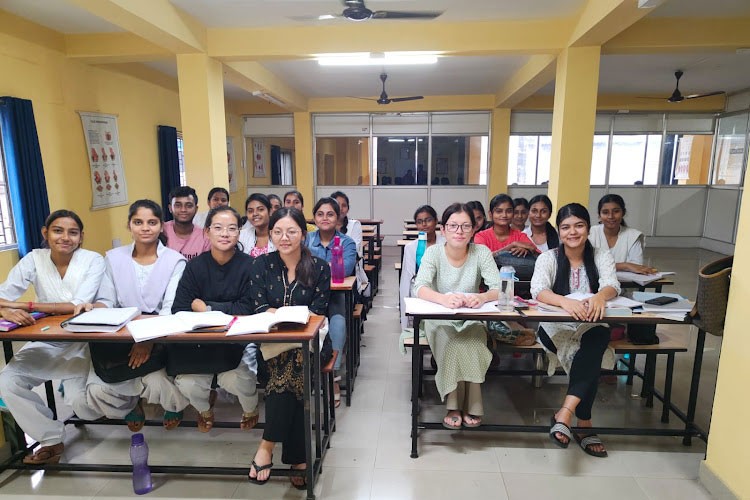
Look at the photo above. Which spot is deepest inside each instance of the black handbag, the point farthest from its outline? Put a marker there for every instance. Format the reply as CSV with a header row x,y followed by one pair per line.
x,y
642,334
202,358
110,361
524,266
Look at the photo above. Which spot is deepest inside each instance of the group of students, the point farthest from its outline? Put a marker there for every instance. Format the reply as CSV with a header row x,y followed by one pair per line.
x,y
458,269
267,259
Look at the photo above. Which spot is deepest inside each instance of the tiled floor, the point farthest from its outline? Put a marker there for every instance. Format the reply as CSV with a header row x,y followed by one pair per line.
x,y
370,453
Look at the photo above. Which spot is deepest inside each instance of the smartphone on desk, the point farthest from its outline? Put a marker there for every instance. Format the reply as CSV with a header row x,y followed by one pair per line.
x,y
661,301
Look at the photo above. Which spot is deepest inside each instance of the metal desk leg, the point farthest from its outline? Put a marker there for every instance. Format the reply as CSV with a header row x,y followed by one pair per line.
x,y
51,398
631,369
695,381
416,359
8,351
667,401
350,352
316,383
536,380
648,382
309,459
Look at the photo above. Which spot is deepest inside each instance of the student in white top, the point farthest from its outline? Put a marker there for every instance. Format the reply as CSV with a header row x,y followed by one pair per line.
x,y
350,227
64,276
143,274
540,231
254,235
426,219
624,243
217,197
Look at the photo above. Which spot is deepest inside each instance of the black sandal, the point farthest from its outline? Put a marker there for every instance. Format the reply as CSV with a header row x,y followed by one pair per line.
x,y
258,470
559,427
591,440
298,473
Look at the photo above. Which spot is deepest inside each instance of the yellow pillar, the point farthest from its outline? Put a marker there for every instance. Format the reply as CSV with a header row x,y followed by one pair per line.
x,y
303,152
728,445
576,85
498,182
201,84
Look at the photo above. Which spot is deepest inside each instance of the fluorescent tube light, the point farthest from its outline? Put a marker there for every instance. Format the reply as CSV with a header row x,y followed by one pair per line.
x,y
376,59
268,98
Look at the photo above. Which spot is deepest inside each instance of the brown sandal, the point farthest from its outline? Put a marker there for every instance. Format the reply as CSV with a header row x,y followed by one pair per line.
x,y
249,420
206,420
45,455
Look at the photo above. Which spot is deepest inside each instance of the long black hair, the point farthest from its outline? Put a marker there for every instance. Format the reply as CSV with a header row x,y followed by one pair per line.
x,y
553,240
305,271
617,200
428,209
477,205
340,194
327,201
499,199
562,277
155,209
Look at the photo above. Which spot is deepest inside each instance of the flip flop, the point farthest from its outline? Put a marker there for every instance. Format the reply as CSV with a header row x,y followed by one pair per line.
x,y
136,419
249,420
206,420
298,473
258,470
591,440
45,455
172,419
456,419
559,427
468,425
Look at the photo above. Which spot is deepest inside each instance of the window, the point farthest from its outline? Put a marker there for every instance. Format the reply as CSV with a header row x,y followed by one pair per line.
x,y
458,160
599,160
731,149
272,161
634,159
342,161
687,159
181,159
400,160
7,232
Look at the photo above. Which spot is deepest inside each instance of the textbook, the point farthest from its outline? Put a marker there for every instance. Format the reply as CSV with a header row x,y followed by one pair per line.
x,y
183,321
100,319
6,326
265,321
416,305
640,279
619,306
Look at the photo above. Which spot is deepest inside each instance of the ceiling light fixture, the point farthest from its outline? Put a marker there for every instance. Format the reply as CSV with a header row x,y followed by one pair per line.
x,y
268,98
376,58
649,4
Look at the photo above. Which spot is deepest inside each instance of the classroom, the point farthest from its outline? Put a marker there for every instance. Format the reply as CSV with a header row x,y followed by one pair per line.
x,y
419,103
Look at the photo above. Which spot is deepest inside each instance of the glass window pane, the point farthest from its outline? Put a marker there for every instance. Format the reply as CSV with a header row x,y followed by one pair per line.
x,y
397,158
599,160
459,160
544,159
7,232
522,159
342,161
731,144
653,151
272,161
628,155
687,159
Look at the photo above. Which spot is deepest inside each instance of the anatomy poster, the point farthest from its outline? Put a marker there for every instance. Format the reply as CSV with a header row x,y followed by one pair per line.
x,y
259,159
105,160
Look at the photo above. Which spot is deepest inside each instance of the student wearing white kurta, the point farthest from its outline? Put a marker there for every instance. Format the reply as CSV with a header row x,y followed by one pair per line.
x,y
38,362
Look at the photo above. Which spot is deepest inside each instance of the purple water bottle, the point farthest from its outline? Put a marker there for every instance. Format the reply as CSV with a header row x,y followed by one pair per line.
x,y
139,457
337,261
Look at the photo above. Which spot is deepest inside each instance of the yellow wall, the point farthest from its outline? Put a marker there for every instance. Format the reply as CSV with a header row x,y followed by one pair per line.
x,y
59,87
234,130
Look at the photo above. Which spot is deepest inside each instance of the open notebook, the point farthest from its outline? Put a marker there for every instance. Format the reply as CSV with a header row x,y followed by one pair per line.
x,y
183,321
416,305
101,319
264,322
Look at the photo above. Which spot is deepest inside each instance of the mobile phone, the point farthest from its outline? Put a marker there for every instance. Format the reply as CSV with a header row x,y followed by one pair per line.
x,y
661,301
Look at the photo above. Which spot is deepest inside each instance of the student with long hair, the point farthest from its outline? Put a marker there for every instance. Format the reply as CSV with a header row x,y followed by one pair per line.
x,y
295,199
450,275
501,236
291,276
540,231
217,197
579,346
218,280
275,202
350,227
480,215
520,213
64,276
624,242
254,235
143,274
426,220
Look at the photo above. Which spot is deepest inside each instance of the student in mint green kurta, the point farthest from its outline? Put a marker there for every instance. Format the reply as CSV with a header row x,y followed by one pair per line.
x,y
450,274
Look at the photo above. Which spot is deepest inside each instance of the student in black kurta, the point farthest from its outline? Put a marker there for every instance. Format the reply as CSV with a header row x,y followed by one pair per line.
x,y
291,276
217,280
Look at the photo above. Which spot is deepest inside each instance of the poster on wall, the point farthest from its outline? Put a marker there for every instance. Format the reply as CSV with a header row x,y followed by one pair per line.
x,y
108,185
231,165
682,166
259,159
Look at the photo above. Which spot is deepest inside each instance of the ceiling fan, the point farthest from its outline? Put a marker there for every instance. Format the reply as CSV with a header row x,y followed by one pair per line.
x,y
677,95
355,10
384,99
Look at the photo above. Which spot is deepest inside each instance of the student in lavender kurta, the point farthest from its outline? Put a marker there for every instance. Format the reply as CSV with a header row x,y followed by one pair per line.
x,y
182,235
143,274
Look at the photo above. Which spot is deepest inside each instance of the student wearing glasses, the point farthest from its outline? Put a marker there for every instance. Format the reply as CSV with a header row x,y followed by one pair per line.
x,y
218,280
501,236
450,275
426,219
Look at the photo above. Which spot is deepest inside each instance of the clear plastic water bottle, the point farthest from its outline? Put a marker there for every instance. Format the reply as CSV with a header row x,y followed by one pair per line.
x,y
421,247
506,301
139,457
337,261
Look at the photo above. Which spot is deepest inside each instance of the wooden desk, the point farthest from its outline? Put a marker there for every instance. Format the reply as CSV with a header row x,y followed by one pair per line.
x,y
372,222
656,285
669,348
410,235
313,428
352,354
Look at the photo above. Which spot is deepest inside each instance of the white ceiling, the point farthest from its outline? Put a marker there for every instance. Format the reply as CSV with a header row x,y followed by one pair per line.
x,y
703,8
59,15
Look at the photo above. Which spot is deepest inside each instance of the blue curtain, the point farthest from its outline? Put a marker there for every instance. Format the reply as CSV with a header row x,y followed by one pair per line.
x,y
23,160
169,165
276,165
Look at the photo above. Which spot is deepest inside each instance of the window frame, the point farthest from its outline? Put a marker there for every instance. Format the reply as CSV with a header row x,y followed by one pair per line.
x,y
11,226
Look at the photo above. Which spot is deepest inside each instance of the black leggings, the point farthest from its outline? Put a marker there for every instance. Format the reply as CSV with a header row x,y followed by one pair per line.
x,y
285,424
586,367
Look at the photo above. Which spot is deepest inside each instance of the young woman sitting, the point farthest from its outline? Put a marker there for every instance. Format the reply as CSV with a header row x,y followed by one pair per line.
x,y
350,227
254,235
501,236
520,213
480,215
540,231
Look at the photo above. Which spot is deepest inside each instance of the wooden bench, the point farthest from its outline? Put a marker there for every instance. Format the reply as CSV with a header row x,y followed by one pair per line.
x,y
329,405
358,326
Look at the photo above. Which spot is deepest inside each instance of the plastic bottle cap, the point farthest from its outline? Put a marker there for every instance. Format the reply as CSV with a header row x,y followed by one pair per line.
x,y
422,235
137,439
507,276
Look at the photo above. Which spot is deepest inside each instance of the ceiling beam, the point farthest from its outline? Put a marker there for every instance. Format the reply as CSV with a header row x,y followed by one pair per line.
x,y
104,48
469,38
665,35
145,73
23,29
631,102
535,74
157,21
252,76
600,20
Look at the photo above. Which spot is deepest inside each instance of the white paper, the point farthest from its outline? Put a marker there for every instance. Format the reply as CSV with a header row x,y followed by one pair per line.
x,y
641,279
617,302
193,320
416,306
263,322
183,321
101,319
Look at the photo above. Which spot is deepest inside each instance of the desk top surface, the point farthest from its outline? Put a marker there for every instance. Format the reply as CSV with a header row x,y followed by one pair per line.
x,y
345,286
56,333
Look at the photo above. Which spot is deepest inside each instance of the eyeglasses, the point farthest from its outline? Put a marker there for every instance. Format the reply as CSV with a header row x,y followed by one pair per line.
x,y
291,234
453,227
232,230
427,220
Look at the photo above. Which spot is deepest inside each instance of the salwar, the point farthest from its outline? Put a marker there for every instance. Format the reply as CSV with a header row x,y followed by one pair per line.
x,y
159,388
466,397
285,424
241,382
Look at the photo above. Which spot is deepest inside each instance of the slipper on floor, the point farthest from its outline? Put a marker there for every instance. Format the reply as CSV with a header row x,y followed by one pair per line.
x,y
559,427
136,419
455,423
298,473
587,441
206,420
249,420
474,417
172,419
258,470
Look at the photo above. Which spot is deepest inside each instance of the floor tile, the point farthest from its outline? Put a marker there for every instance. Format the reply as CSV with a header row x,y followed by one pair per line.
x,y
389,484
552,487
673,489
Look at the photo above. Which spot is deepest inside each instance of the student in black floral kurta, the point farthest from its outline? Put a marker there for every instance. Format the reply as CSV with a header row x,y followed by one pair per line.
x,y
290,276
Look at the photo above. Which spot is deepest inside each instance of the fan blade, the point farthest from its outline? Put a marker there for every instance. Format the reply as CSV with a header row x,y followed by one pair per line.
x,y
363,98
410,98
651,97
389,14
698,96
305,19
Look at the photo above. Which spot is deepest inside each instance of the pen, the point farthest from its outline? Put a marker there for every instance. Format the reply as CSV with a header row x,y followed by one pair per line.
x,y
44,328
231,323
